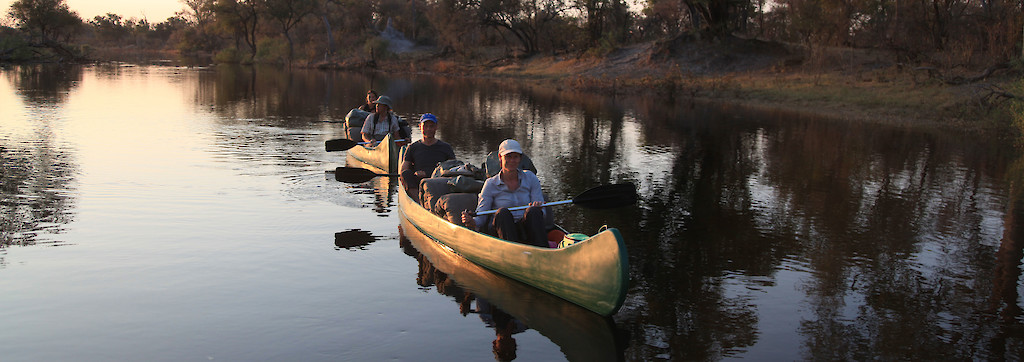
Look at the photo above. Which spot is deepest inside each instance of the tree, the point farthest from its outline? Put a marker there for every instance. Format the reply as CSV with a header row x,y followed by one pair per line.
x,y
199,12
453,23
241,17
110,27
524,19
288,13
50,20
604,18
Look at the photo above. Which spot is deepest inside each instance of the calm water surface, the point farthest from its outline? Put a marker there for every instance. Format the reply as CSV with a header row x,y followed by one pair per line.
x,y
164,213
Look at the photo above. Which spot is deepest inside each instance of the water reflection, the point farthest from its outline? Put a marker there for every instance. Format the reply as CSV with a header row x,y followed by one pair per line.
x,y
863,232
382,188
510,307
37,170
44,85
353,239
884,221
757,230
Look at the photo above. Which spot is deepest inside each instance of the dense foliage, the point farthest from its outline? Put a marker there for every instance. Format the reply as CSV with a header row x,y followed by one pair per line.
x,y
964,32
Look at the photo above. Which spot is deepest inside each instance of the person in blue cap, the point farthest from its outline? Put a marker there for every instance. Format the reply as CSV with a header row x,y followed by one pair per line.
x,y
421,157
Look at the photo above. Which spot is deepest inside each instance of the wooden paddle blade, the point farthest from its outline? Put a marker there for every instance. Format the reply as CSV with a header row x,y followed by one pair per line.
x,y
340,144
353,175
607,196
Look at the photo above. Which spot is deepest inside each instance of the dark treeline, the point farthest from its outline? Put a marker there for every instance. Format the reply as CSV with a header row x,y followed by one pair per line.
x,y
945,32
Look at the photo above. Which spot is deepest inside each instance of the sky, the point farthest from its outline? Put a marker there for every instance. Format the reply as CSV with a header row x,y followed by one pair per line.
x,y
155,11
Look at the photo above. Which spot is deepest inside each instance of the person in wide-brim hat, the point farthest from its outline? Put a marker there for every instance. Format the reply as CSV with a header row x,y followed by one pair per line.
x,y
381,122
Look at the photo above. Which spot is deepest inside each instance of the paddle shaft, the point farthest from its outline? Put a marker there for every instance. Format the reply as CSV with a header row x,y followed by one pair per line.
x,y
524,207
601,197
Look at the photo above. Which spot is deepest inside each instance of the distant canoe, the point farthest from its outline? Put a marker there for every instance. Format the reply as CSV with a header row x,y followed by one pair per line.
x,y
593,273
383,156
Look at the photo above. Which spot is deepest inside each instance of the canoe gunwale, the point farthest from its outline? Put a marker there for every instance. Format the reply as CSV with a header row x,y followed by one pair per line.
x,y
380,156
593,273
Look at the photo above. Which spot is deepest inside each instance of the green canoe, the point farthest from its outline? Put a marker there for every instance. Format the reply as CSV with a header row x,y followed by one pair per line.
x,y
593,274
383,156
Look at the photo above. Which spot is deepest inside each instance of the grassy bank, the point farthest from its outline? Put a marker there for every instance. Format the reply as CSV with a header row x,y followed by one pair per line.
x,y
868,88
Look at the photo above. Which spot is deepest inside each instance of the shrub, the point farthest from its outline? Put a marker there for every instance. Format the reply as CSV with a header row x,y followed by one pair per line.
x,y
228,55
272,50
14,48
377,48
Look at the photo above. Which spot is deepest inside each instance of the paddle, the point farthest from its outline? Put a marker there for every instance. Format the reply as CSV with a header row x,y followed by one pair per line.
x,y
600,197
357,175
344,144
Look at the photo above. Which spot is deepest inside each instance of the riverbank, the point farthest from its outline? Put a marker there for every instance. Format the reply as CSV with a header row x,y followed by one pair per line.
x,y
855,85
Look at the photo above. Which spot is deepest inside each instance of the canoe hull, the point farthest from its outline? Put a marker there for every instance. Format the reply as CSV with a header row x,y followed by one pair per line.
x,y
582,334
593,274
383,156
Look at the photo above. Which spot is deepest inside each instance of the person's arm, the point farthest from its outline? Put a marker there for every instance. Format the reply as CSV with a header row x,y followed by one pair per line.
x,y
396,128
536,194
408,159
367,130
484,202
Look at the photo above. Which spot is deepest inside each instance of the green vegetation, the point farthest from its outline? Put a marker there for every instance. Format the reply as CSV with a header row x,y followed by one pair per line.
x,y
953,33
897,57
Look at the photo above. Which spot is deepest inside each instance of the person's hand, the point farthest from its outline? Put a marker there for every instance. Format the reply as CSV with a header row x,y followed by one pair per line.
x,y
536,203
468,220
421,173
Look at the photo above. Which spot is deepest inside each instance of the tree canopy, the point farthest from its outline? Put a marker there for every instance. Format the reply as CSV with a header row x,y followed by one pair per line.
x,y
969,31
46,20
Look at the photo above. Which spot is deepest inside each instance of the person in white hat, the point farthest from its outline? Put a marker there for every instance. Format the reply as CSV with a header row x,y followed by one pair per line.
x,y
511,187
421,157
381,122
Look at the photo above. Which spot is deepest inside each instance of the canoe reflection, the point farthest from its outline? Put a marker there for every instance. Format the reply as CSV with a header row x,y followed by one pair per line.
x,y
509,306
353,239
382,188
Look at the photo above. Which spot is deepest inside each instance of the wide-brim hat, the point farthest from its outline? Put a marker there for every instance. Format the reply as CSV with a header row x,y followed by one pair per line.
x,y
385,100
508,146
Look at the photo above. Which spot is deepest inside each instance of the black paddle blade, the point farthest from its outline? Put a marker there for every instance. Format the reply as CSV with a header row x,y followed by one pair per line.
x,y
340,144
607,196
353,175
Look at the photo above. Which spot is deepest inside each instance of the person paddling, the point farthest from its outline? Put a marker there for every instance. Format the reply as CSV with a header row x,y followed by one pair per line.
x,y
381,122
421,157
511,187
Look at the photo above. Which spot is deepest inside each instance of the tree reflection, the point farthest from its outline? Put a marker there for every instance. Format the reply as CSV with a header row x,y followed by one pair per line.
x,y
905,243
36,172
887,221
45,84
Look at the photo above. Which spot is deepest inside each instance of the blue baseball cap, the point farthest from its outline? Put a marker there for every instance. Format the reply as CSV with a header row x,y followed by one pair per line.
x,y
428,117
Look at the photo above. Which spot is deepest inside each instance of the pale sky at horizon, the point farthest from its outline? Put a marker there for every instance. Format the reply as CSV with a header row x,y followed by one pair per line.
x,y
155,11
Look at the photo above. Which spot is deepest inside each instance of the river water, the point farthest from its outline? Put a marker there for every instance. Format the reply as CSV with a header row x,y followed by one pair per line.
x,y
154,212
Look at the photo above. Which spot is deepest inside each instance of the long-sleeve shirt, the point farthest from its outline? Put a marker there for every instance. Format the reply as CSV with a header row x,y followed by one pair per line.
x,y
496,194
